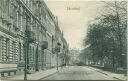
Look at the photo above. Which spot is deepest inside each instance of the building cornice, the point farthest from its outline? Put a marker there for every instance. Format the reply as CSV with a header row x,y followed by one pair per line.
x,y
27,8
49,33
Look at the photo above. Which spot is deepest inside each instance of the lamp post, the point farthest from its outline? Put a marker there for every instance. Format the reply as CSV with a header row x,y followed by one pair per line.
x,y
26,46
26,53
29,38
57,49
26,56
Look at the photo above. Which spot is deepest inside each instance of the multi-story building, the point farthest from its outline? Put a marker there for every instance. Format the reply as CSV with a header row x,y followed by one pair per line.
x,y
65,50
15,17
74,54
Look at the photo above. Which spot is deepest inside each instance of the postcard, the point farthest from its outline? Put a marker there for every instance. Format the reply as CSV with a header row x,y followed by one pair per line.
x,y
63,40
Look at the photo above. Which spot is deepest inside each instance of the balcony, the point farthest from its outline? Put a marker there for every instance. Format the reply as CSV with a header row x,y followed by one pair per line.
x,y
44,44
31,36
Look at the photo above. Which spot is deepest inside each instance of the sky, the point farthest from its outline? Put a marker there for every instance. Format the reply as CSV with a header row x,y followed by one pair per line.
x,y
73,17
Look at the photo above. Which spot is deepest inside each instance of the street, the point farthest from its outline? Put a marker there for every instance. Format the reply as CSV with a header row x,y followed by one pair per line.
x,y
78,73
87,38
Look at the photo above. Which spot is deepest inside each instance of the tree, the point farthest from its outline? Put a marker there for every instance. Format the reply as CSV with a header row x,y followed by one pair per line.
x,y
107,35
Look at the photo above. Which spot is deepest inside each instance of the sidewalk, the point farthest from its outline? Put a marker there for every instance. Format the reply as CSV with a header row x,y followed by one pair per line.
x,y
114,75
34,76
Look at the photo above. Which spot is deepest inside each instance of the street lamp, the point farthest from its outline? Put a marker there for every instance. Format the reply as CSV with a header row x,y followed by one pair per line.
x,y
57,50
29,38
26,45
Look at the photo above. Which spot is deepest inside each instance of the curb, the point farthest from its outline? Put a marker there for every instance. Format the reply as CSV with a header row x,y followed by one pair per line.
x,y
108,75
118,78
48,75
51,74
102,73
9,77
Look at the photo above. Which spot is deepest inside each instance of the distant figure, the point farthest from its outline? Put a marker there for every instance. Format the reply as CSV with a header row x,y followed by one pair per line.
x,y
63,65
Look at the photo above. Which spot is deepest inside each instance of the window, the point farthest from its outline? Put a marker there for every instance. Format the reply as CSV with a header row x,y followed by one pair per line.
x,y
3,49
39,55
33,54
30,4
7,57
14,49
19,21
30,53
1,8
20,56
0,49
10,54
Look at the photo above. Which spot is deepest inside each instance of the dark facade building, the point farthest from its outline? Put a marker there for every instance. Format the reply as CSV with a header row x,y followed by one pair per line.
x,y
15,17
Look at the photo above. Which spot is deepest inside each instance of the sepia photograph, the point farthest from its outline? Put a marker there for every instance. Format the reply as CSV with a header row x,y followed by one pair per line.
x,y
59,40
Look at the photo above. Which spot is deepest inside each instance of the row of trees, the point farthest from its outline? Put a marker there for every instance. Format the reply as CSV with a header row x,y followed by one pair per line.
x,y
106,37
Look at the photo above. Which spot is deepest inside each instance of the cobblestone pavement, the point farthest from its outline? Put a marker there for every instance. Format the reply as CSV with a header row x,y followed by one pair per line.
x,y
78,73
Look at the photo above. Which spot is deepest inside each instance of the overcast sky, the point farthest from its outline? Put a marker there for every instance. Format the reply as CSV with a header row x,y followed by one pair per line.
x,y
74,22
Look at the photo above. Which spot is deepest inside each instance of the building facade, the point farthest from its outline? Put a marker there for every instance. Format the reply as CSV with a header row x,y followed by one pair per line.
x,y
74,54
15,17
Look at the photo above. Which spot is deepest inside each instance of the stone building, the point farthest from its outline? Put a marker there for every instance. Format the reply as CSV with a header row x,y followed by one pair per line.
x,y
15,17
